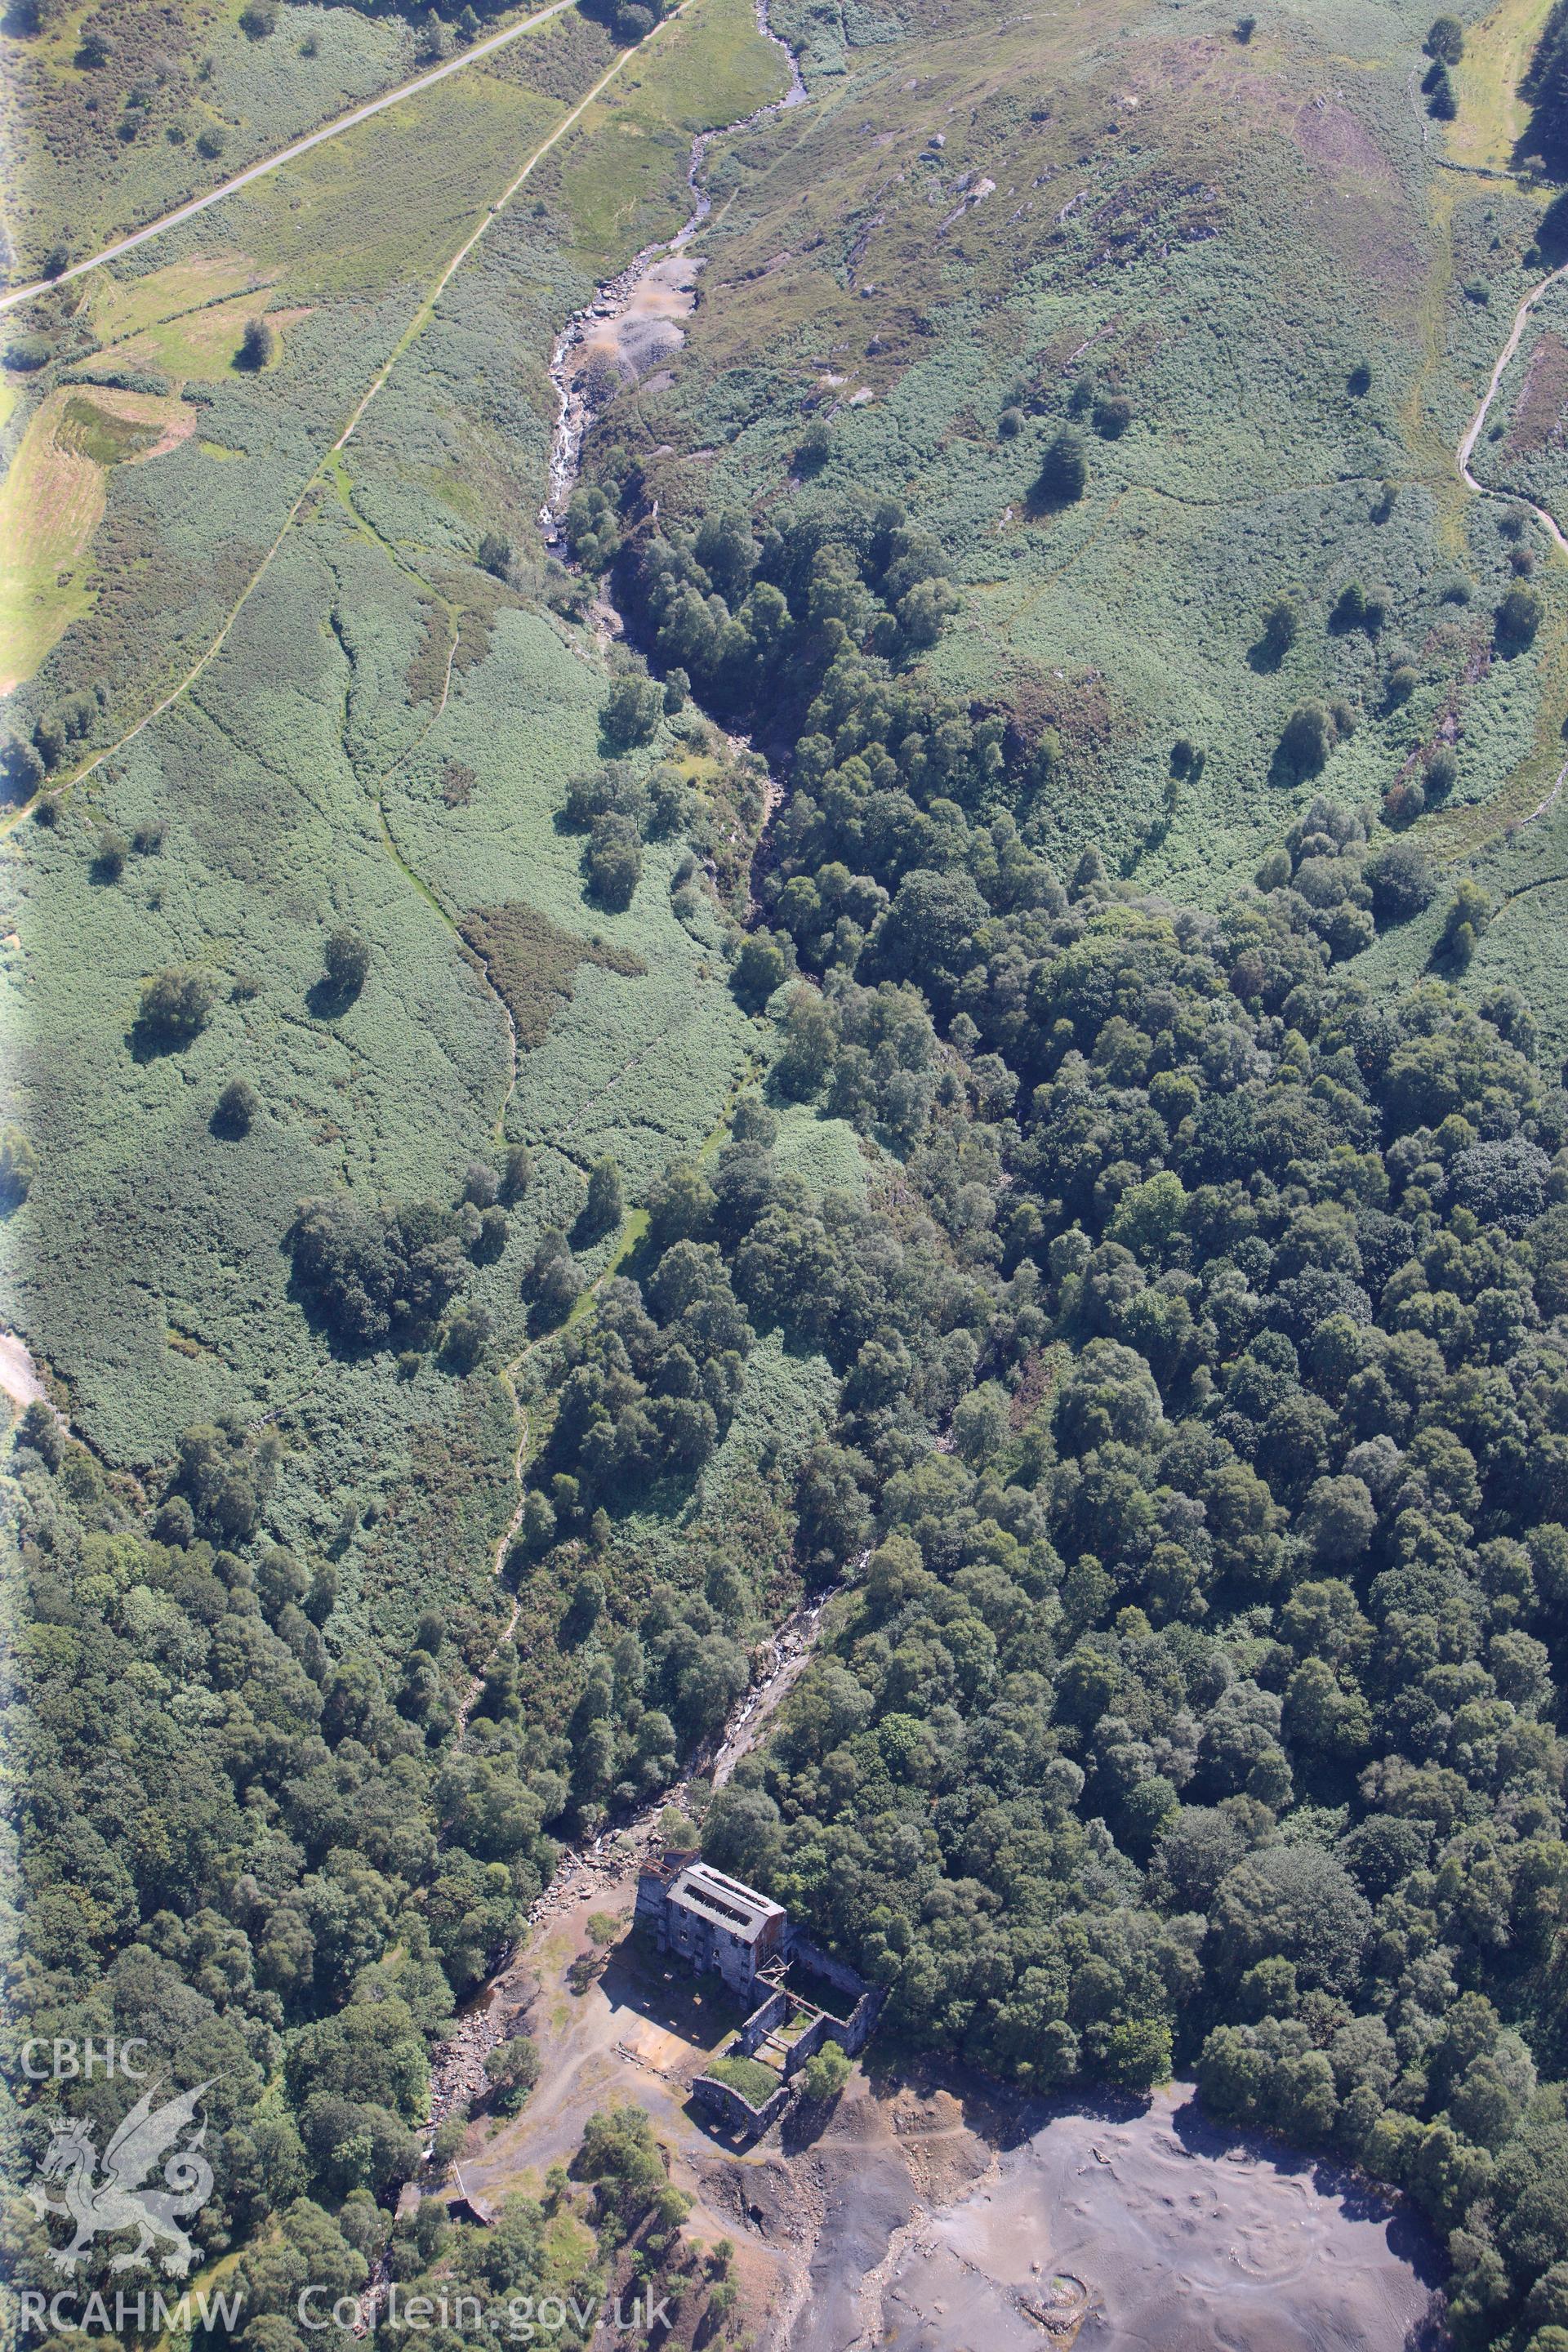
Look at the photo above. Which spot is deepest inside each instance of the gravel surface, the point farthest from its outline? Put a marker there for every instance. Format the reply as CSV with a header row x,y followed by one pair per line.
x,y
1154,2231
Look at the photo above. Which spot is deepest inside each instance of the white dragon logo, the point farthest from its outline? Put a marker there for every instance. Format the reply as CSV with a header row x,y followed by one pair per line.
x,y
98,2207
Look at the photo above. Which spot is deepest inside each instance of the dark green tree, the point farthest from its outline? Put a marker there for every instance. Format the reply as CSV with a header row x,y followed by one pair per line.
x,y
258,345
1063,476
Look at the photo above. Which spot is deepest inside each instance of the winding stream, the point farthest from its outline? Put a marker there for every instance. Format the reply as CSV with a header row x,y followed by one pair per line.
x,y
632,318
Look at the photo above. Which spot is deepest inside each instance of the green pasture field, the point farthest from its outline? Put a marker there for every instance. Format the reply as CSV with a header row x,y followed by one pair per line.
x,y
339,282
77,178
96,148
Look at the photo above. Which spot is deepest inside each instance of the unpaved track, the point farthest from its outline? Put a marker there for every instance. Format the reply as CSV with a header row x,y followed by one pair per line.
x,y
259,171
1466,449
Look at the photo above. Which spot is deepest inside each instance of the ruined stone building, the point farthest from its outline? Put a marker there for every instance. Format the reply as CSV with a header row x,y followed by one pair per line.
x,y
711,1921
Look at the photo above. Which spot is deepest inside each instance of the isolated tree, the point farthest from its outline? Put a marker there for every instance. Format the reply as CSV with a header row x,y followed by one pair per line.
x,y
257,345
495,1229
1308,739
1445,40
926,610
669,798
517,1172
681,1204
1469,912
1518,618
537,1532
1112,415
494,553
235,1110
613,861
605,1203
633,709
511,2070
1360,608
21,767
554,1279
1010,423
347,960
175,1004
1064,470
465,1336
1402,880
759,969
824,2073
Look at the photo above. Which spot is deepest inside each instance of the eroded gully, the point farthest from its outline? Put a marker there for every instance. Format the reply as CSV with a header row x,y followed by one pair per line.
x,y
457,2063
613,302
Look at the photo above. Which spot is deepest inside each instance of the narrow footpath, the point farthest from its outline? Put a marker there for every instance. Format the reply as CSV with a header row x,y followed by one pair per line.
x,y
259,171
